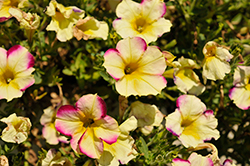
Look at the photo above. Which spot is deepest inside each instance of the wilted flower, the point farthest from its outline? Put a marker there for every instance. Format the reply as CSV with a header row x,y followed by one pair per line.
x,y
144,20
63,19
54,158
30,22
215,64
5,5
88,125
185,78
136,67
89,28
17,129
147,116
193,160
4,161
240,93
191,122
121,151
16,66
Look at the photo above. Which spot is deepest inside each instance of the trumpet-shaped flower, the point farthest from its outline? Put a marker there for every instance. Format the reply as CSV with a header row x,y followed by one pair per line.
x,y
17,129
63,19
193,160
147,116
89,28
122,150
185,78
215,64
30,22
136,67
240,93
88,125
54,158
15,72
191,122
144,20
49,131
5,5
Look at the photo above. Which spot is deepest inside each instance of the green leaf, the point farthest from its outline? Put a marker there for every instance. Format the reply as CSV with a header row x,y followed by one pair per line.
x,y
67,72
143,148
236,20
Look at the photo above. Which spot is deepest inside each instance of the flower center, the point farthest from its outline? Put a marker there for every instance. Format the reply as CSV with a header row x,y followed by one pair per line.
x,y
88,122
140,24
211,51
186,122
130,68
7,76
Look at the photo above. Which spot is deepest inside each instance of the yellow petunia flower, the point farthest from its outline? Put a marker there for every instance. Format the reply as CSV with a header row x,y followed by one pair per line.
x,y
63,19
143,19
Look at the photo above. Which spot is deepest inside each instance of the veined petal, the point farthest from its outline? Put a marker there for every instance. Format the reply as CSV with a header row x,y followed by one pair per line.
x,y
24,82
114,64
19,59
241,97
92,106
223,54
90,145
241,75
125,28
128,10
140,84
214,68
180,162
49,133
129,125
131,49
9,91
196,159
152,62
68,120
190,106
74,142
106,129
173,123
153,10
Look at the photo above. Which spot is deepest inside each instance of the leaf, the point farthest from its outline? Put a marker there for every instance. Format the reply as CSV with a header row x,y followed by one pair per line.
x,y
236,20
143,148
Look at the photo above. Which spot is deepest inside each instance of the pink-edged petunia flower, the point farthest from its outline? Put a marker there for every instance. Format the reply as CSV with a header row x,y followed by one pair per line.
x,y
17,128
185,78
49,131
63,19
215,64
136,67
54,158
88,125
121,151
240,93
193,160
191,122
16,66
5,5
143,19
147,116
228,162
90,28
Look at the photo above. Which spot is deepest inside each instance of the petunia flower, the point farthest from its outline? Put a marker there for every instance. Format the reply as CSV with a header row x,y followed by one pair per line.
x,y
49,131
121,151
54,158
215,64
90,28
63,19
185,78
30,22
16,66
88,125
4,160
5,5
191,122
240,93
193,160
228,162
17,129
147,116
136,67
143,19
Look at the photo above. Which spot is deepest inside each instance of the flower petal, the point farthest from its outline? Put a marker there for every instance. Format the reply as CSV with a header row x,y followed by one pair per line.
x,y
173,123
129,125
92,106
241,97
114,64
106,129
128,9
49,133
131,49
153,10
124,28
180,162
9,91
152,62
90,145
196,159
3,59
19,59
